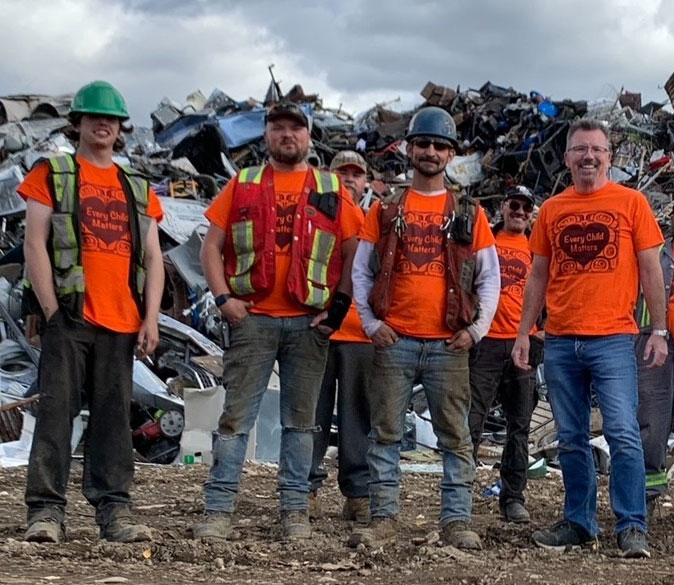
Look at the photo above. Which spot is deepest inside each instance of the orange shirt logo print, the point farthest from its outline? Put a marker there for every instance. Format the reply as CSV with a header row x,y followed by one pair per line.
x,y
286,205
422,245
105,220
514,266
587,242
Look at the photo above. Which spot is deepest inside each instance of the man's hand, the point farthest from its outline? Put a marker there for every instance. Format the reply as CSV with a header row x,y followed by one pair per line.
x,y
460,341
316,322
148,338
235,310
384,336
656,347
520,352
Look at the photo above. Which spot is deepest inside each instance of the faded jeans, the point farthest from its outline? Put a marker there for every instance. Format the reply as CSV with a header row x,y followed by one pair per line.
x,y
256,343
444,375
607,363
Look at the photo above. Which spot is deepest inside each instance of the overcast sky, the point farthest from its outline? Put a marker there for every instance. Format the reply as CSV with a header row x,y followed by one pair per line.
x,y
351,52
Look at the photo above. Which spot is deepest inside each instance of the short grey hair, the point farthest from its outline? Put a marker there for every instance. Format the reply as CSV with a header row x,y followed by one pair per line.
x,y
587,125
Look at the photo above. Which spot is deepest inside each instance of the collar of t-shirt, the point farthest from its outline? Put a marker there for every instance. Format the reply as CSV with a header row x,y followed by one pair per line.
x,y
430,193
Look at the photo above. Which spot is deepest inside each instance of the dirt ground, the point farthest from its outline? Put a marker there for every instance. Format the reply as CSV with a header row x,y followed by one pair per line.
x,y
169,499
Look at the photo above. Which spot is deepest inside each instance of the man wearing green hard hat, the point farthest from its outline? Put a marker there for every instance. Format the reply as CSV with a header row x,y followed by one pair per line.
x,y
95,275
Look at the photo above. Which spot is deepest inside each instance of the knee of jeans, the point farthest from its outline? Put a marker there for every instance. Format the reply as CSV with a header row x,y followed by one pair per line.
x,y
386,433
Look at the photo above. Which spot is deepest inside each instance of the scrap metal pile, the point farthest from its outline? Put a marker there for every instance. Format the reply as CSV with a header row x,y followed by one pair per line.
x,y
193,148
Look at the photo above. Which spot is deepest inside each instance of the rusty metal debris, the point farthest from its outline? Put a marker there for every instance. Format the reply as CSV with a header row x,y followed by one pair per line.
x,y
191,149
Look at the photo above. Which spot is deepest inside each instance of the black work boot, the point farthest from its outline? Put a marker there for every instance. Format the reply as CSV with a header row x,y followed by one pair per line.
x,y
564,535
632,544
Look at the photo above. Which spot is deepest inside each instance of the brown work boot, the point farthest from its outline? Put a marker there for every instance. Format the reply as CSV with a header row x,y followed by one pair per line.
x,y
380,530
458,535
356,509
215,525
46,530
123,529
295,525
314,505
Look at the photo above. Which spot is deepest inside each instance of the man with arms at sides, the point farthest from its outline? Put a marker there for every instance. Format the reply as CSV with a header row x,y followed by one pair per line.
x,y
592,244
277,257
425,263
96,269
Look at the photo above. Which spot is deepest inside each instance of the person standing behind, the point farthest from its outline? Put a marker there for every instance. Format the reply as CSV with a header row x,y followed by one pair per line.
x,y
492,371
277,257
592,245
425,263
347,373
656,385
95,266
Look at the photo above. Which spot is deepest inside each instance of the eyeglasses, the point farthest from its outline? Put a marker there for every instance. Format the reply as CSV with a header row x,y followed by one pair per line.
x,y
424,143
585,149
527,207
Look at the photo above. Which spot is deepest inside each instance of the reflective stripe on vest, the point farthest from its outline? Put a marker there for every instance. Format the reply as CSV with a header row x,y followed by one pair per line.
x,y
317,269
242,237
326,182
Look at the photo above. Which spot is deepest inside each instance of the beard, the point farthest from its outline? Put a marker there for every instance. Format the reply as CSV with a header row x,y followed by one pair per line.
x,y
288,157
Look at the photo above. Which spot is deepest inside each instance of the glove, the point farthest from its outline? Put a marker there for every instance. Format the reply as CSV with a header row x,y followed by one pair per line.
x,y
337,311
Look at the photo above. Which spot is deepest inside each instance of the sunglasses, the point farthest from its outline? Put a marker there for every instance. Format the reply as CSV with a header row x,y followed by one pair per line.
x,y
424,143
527,207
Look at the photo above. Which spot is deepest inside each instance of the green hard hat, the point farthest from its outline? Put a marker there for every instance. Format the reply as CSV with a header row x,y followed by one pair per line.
x,y
99,97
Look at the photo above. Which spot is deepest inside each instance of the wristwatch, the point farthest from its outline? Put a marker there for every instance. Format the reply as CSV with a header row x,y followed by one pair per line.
x,y
221,300
660,333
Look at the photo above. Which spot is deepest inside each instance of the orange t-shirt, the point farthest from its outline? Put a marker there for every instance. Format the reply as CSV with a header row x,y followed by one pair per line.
x,y
419,304
288,187
106,242
514,260
352,329
592,241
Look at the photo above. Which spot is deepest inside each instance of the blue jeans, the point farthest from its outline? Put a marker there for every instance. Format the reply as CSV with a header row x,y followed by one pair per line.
x,y
301,352
607,363
444,375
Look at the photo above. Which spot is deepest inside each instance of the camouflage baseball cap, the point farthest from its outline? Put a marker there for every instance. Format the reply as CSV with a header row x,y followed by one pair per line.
x,y
347,158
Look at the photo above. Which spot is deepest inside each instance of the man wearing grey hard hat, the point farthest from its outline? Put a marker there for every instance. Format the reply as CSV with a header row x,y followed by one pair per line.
x,y
426,261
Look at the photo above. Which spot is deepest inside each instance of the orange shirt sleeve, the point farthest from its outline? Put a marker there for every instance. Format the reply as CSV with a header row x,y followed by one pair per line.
x,y
36,186
647,233
370,229
154,209
352,215
483,234
219,210
539,243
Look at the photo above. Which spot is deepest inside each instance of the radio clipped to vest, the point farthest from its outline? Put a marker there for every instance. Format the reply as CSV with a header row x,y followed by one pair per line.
x,y
463,221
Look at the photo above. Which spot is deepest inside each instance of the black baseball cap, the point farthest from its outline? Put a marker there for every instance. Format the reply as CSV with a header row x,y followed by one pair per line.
x,y
286,110
520,191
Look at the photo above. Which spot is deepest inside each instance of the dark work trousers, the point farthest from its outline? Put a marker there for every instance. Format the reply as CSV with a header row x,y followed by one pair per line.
x,y
347,374
656,396
80,361
493,374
